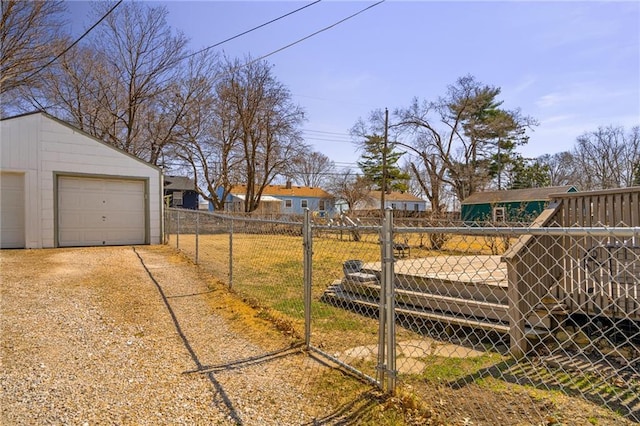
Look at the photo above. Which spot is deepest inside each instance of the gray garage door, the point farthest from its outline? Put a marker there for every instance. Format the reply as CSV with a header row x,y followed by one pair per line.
x,y
12,210
96,212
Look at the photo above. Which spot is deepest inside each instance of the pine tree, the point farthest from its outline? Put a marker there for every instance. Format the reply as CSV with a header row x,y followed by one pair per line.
x,y
372,167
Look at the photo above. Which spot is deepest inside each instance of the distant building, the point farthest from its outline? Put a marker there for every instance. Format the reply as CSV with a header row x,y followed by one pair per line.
x,y
284,199
398,201
180,191
515,205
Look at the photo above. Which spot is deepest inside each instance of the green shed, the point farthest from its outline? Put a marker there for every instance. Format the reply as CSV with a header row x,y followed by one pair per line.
x,y
515,205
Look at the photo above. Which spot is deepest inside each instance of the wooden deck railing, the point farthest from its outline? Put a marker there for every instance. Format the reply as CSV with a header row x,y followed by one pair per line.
x,y
598,276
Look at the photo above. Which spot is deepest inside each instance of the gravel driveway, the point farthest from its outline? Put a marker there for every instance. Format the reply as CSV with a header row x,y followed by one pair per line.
x,y
121,335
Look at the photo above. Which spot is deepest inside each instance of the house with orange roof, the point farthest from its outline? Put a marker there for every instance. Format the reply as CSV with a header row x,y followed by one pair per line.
x,y
284,199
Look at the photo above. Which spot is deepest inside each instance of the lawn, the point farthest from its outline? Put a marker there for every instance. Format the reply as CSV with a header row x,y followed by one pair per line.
x,y
268,270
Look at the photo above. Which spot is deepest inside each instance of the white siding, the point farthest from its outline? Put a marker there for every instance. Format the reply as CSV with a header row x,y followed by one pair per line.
x,y
12,210
44,148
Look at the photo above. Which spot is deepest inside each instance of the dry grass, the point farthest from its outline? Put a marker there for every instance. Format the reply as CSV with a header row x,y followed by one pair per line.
x,y
268,272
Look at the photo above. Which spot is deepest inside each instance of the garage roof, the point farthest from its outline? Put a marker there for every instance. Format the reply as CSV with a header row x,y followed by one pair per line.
x,y
82,132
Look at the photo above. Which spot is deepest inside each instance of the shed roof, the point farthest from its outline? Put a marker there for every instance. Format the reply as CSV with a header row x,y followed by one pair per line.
x,y
516,195
179,183
285,191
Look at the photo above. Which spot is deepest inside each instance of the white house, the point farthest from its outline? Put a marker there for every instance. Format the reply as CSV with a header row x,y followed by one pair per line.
x,y
403,201
60,187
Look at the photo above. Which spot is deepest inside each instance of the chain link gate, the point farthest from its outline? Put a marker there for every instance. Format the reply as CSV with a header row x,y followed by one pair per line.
x,y
352,250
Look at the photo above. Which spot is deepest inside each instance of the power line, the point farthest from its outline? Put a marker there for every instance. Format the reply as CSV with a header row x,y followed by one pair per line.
x,y
179,59
248,31
326,133
312,34
240,34
326,140
75,42
239,67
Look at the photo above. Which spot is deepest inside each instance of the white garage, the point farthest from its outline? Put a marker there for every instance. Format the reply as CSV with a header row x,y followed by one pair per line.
x,y
63,188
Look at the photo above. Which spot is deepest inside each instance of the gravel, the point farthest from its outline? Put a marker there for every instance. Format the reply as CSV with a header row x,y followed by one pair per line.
x,y
131,336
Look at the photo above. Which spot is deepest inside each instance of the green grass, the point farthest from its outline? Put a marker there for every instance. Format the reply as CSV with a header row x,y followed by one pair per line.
x,y
443,369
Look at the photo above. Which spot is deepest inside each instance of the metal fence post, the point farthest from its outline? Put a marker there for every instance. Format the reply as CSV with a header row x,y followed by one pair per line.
x,y
231,252
167,228
307,243
197,230
178,230
382,316
388,278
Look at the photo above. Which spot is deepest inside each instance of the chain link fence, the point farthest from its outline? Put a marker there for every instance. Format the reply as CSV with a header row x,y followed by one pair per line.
x,y
555,314
260,260
487,325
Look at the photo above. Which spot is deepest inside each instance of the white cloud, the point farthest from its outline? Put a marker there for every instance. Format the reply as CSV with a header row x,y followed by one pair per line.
x,y
580,93
558,118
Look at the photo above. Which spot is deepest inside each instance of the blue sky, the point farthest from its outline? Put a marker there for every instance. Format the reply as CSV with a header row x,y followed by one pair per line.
x,y
573,66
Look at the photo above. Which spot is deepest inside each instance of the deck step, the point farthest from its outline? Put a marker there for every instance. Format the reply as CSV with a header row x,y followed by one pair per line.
x,y
433,302
465,286
336,293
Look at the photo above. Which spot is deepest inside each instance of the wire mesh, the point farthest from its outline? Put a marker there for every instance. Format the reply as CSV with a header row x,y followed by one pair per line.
x,y
259,260
268,267
259,294
510,318
346,268
494,325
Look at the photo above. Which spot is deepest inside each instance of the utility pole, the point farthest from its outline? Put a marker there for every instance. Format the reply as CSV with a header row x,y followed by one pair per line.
x,y
499,166
384,161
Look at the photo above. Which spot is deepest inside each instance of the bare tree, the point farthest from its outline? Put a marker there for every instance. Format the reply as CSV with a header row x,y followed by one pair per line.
x,y
144,55
561,168
184,106
426,163
264,121
30,37
209,141
27,31
631,157
350,188
607,157
81,90
121,80
311,168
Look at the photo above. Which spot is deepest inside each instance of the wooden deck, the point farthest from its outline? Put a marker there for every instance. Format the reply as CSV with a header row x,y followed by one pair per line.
x,y
594,275
463,290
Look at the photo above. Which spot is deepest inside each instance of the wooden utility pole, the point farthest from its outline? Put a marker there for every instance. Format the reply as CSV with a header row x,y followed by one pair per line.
x,y
383,186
